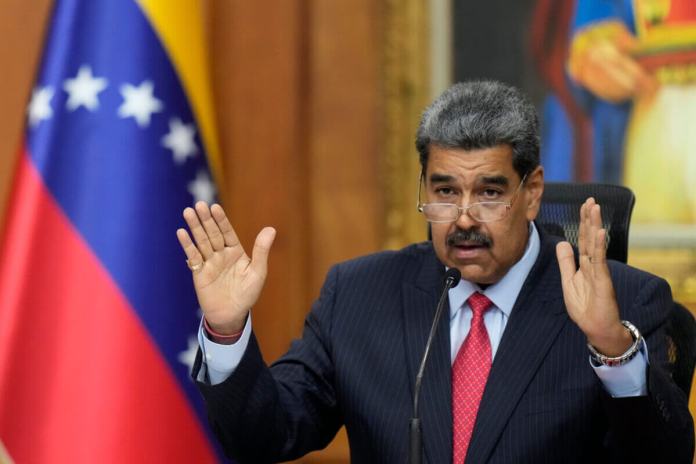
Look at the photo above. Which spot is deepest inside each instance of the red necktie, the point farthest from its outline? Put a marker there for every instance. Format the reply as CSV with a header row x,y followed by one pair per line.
x,y
469,373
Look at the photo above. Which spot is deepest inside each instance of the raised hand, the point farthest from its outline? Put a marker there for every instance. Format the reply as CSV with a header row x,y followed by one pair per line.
x,y
227,282
588,291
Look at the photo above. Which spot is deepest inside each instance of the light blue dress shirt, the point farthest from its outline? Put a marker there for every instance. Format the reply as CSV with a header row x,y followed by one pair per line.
x,y
629,379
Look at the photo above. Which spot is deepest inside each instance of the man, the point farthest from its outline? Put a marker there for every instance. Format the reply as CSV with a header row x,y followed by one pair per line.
x,y
510,377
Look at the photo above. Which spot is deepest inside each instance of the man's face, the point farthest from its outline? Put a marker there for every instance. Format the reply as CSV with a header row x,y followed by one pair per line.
x,y
483,252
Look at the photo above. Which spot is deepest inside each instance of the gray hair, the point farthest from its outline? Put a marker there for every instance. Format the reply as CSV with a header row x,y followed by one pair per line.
x,y
482,114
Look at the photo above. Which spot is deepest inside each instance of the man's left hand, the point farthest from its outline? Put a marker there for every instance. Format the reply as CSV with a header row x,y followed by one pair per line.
x,y
588,291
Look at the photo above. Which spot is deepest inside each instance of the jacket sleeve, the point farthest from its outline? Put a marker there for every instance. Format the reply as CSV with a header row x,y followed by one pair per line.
x,y
278,413
657,427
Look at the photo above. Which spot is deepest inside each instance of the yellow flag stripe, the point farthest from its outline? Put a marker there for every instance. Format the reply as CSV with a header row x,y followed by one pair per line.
x,y
179,25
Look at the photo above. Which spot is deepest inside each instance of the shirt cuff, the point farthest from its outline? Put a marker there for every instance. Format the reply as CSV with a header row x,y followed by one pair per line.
x,y
629,379
220,361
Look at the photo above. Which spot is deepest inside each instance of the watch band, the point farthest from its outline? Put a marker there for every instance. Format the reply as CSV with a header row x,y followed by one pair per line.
x,y
631,353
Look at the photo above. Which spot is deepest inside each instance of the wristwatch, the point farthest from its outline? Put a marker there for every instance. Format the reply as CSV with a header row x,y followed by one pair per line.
x,y
631,353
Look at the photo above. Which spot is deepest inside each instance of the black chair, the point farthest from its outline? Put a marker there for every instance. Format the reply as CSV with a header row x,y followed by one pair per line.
x,y
560,215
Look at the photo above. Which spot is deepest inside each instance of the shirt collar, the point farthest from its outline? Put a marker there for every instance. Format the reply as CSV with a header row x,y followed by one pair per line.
x,y
503,293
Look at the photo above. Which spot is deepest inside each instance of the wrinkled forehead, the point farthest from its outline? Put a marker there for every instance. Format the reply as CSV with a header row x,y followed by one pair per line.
x,y
480,166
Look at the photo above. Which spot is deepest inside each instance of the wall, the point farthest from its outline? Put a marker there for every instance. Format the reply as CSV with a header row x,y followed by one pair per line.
x,y
304,120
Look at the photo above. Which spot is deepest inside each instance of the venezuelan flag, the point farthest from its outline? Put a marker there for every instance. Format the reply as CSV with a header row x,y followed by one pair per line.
x,y
98,316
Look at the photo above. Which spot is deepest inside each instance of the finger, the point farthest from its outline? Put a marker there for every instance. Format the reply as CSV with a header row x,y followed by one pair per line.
x,y
599,250
582,238
592,226
200,237
595,226
596,218
599,254
210,225
566,262
262,247
228,233
193,256
587,238
601,269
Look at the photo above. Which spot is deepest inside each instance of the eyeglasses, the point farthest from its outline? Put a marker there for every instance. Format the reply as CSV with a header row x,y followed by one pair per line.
x,y
484,211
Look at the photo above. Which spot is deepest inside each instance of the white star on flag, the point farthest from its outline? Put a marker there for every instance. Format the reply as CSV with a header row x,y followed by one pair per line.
x,y
83,89
202,188
180,140
139,103
188,357
40,105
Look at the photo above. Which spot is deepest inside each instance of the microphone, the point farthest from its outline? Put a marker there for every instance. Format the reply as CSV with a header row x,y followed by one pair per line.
x,y
452,277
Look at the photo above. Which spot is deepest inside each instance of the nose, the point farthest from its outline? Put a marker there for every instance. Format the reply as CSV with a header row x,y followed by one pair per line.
x,y
465,221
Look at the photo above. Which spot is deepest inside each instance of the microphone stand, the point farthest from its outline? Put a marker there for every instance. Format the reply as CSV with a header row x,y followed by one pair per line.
x,y
415,431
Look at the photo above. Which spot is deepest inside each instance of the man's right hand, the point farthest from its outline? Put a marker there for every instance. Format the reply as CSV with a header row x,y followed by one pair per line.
x,y
227,282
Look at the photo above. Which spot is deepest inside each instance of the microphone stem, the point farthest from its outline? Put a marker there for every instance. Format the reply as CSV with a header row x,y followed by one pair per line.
x,y
415,424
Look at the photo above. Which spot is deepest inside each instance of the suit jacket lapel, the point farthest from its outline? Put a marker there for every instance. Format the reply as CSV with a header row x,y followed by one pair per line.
x,y
420,297
534,324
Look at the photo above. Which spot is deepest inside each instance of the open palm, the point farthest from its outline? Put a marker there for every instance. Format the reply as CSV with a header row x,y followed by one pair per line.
x,y
227,282
588,291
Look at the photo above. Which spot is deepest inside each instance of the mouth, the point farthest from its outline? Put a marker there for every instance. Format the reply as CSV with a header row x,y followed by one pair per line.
x,y
468,250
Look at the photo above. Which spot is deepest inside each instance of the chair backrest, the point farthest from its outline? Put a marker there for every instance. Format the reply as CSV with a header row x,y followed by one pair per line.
x,y
560,212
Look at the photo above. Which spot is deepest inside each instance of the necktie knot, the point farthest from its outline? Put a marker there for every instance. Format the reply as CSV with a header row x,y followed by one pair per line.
x,y
479,303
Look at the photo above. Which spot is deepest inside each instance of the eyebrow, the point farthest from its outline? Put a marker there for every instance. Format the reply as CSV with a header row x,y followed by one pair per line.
x,y
495,180
434,178
485,180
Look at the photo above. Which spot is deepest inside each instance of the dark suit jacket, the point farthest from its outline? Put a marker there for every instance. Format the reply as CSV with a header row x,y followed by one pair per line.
x,y
357,360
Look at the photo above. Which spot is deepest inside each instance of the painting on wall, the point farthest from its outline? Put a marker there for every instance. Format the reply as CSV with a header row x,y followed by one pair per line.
x,y
615,81
615,85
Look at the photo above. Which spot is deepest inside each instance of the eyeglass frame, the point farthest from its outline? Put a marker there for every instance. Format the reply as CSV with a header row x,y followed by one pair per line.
x,y
465,209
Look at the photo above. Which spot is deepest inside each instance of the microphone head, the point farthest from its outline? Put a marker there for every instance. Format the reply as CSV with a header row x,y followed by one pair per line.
x,y
452,276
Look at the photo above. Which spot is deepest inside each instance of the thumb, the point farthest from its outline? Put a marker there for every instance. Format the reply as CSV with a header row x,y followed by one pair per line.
x,y
262,247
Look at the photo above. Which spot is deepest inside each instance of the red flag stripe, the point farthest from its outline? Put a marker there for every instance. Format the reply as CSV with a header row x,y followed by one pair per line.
x,y
74,360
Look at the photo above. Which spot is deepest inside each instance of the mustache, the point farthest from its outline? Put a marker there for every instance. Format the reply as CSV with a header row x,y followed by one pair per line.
x,y
471,236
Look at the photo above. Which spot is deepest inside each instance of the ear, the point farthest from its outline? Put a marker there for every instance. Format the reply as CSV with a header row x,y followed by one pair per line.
x,y
534,188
